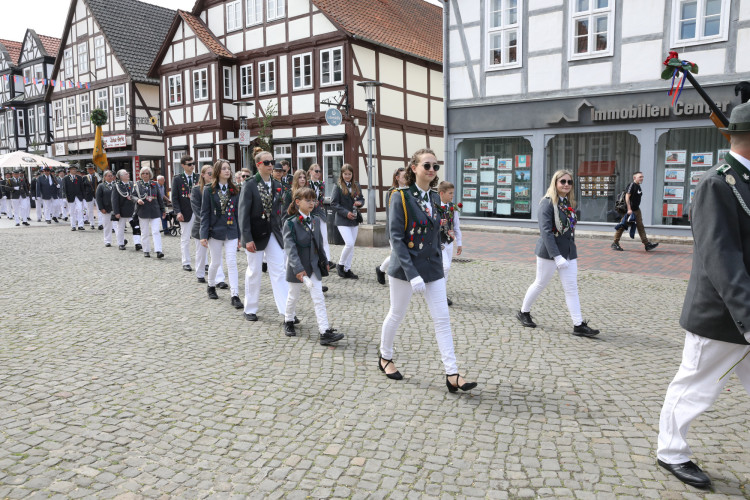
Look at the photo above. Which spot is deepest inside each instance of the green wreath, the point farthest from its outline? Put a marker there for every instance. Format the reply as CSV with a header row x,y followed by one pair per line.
x,y
98,117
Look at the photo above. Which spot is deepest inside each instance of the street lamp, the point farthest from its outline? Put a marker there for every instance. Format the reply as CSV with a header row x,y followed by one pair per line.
x,y
370,87
243,108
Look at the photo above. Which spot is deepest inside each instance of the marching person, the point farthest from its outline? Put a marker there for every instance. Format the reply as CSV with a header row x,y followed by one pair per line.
x,y
90,183
346,200
61,207
286,189
182,188
303,244
37,205
5,203
73,189
416,266
716,311
160,185
104,203
150,210
18,195
201,252
260,230
219,228
556,251
46,195
315,173
450,228
123,208
399,181
286,177
299,181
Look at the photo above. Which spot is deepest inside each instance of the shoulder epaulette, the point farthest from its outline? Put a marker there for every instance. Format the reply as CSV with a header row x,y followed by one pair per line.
x,y
724,169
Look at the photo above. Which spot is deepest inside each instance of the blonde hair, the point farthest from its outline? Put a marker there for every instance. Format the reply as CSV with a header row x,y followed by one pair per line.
x,y
342,184
295,181
202,181
552,189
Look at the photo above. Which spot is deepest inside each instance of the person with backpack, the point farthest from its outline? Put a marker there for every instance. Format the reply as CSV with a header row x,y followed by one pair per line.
x,y
633,194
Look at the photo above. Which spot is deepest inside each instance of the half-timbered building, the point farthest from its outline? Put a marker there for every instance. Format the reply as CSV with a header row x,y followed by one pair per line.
x,y
292,60
106,51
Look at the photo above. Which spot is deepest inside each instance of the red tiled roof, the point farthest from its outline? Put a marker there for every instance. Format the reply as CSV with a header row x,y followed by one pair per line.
x,y
411,26
51,44
14,49
204,34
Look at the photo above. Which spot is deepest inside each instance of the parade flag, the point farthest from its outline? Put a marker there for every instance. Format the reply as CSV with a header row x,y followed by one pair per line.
x,y
99,118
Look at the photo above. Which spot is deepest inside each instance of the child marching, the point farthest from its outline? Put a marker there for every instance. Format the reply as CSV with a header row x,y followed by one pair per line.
x,y
450,228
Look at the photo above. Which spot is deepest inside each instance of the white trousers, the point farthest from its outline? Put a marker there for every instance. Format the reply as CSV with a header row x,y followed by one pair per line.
x,y
186,227
545,269
324,232
349,233
276,272
76,213
90,211
5,206
150,233
694,389
316,292
38,202
120,231
447,258
18,210
62,207
107,222
437,303
201,256
48,207
229,247
387,261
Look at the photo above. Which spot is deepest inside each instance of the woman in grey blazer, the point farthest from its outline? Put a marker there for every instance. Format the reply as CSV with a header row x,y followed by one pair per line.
x,y
556,251
345,201
201,252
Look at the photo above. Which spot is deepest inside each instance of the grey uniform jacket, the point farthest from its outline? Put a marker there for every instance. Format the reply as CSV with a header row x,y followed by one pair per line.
x,y
343,204
182,195
90,184
121,205
717,301
196,200
408,263
44,189
550,245
150,209
299,248
253,228
214,224
319,209
104,197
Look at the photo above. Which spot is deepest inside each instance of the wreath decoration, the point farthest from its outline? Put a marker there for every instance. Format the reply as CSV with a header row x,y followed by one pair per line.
x,y
673,67
98,117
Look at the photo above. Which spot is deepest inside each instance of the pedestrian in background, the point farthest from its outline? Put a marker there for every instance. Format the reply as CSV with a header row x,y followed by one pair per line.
x,y
633,194
398,181
201,252
346,201
450,227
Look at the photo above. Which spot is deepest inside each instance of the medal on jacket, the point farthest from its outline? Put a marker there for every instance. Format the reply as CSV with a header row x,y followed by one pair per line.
x,y
411,235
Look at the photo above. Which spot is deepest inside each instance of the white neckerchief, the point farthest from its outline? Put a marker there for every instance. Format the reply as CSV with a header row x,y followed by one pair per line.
x,y
745,162
223,187
426,206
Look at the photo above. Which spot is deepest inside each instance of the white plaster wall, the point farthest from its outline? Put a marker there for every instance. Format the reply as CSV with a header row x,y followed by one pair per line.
x,y
254,39
473,41
188,31
179,140
589,75
415,142
642,17
299,29
436,113
216,20
744,13
503,84
179,51
547,30
416,108
234,42
543,4
710,62
460,85
297,7
305,132
190,49
200,49
275,34
199,112
176,116
416,78
545,73
437,144
743,48
391,70
650,56
303,103
167,57
327,129
455,49
366,60
204,138
392,142
470,10
322,25
392,103
282,133
436,83
283,81
284,111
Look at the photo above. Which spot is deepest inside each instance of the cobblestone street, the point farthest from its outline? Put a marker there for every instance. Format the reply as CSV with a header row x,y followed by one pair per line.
x,y
120,379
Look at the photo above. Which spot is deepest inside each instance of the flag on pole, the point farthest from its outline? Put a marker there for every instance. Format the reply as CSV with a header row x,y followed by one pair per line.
x,y
99,156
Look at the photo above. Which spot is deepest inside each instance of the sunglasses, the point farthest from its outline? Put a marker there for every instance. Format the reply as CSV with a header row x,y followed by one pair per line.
x,y
190,164
565,181
266,162
431,166
245,176
316,171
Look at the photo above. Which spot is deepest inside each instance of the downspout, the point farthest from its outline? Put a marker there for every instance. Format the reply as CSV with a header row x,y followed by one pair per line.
x,y
448,160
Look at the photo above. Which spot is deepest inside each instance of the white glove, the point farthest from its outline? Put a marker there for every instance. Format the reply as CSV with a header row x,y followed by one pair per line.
x,y
307,281
561,262
16,188
417,285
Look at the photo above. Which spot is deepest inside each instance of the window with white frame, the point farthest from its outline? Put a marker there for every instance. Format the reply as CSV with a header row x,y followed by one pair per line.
x,y
504,34
331,66
38,73
41,116
246,80
254,12
282,152
118,93
102,99
227,71
2,129
21,122
591,28
234,15
699,21
302,71
68,58
83,58
71,111
27,81
99,52
200,84
307,154
274,9
266,77
85,110
175,89
11,127
176,161
205,157
333,160
58,115
32,121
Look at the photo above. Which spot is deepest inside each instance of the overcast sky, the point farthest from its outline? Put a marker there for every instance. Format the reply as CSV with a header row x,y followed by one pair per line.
x,y
47,17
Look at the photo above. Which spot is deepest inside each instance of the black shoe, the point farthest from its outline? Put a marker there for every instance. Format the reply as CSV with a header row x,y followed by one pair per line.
x,y
237,303
212,292
138,247
525,319
651,246
450,302
325,289
330,337
55,219
289,330
49,222
264,267
29,219
351,275
147,255
331,264
65,219
86,222
201,280
222,285
125,242
25,223
616,246
340,271
72,229
296,320
380,274
466,386
584,330
688,473
121,247
108,245
393,376
18,224
81,228
206,267
159,255
187,267
251,317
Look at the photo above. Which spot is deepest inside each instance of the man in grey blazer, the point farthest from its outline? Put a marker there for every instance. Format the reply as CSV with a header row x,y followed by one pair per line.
x,y
716,311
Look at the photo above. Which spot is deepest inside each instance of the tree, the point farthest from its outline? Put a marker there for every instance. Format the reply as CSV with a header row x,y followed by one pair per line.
x,y
264,122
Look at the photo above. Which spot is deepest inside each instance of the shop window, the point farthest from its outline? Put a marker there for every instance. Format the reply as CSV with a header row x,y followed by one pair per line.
x,y
205,157
602,164
696,22
307,154
591,28
504,34
333,160
176,159
495,178
682,157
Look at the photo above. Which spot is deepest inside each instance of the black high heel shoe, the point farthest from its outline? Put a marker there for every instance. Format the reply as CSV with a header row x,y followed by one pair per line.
x,y
467,386
393,376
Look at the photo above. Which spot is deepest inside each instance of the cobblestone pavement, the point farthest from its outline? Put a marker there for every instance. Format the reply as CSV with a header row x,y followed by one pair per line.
x,y
120,379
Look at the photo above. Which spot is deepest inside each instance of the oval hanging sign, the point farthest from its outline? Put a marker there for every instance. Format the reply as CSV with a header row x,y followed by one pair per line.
x,y
333,117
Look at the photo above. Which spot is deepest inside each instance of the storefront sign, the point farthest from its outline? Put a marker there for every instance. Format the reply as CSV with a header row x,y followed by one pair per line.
x,y
114,141
137,167
61,149
642,111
